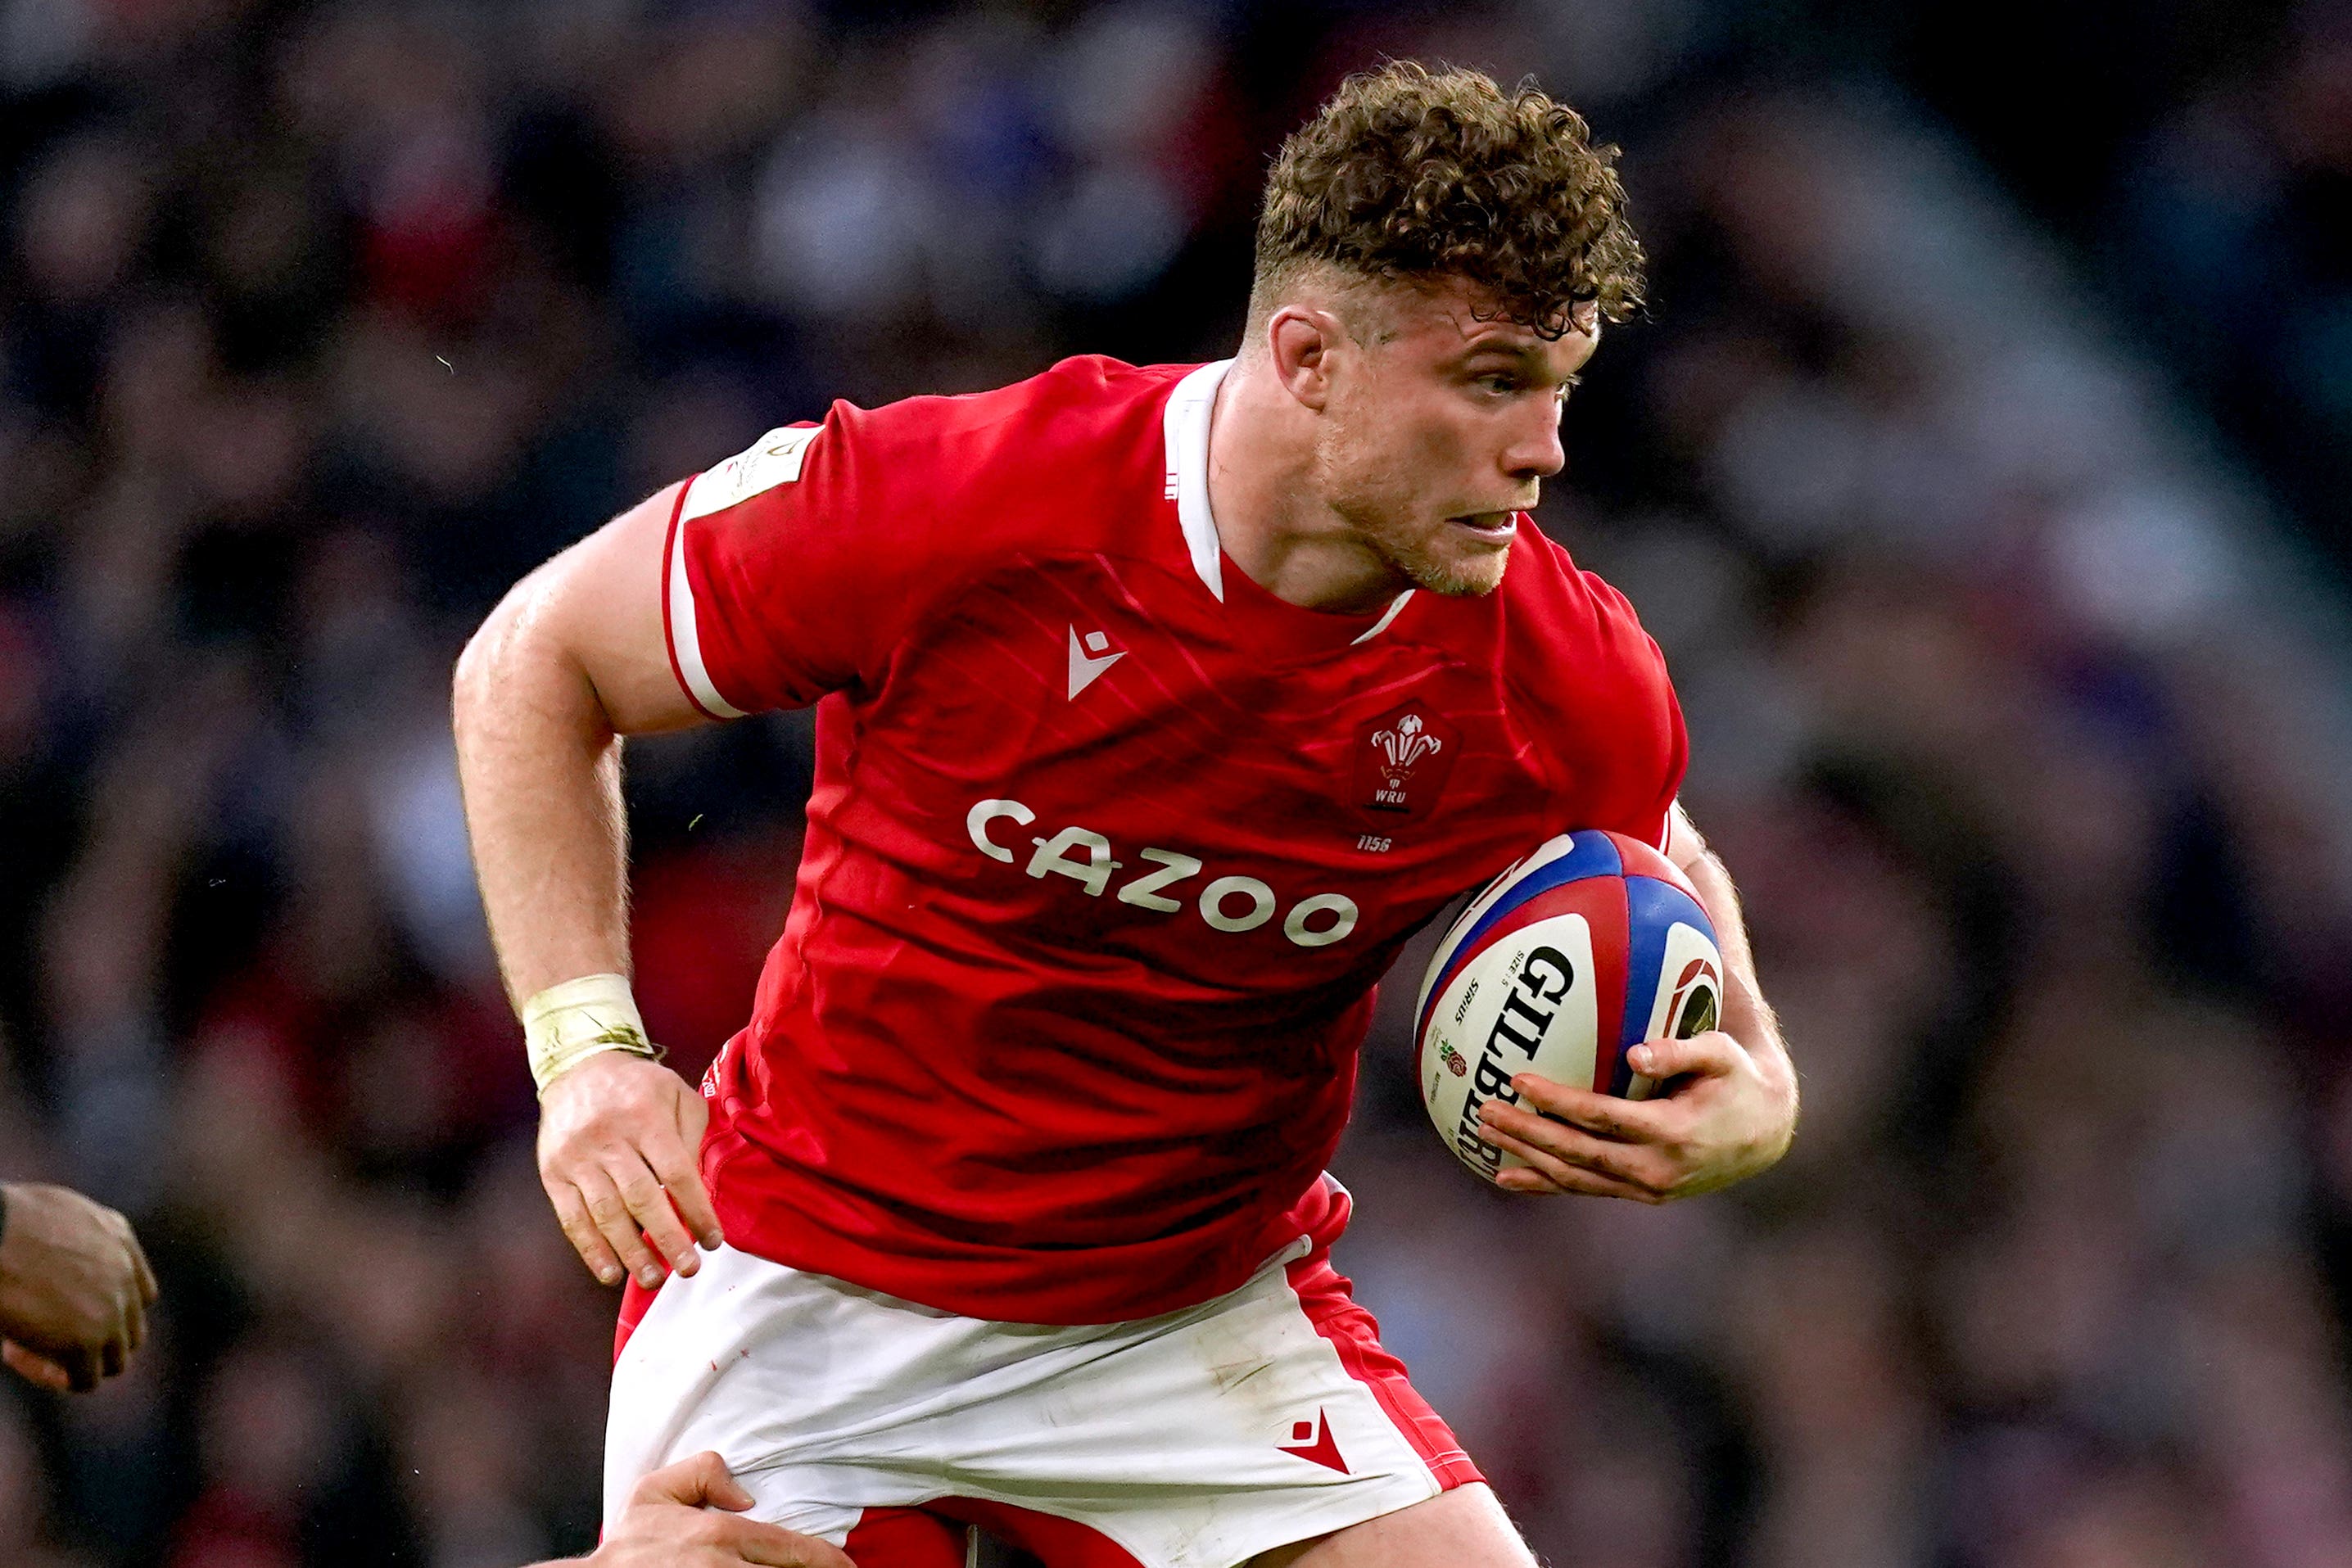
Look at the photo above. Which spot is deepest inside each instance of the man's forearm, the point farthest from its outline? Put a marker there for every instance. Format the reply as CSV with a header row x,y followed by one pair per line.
x,y
1748,1018
540,768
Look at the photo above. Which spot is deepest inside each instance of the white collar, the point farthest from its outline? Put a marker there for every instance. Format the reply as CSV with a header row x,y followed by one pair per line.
x,y
1186,426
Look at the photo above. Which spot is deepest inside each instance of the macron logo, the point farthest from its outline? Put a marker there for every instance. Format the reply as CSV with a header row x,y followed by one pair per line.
x,y
1088,659
1312,1441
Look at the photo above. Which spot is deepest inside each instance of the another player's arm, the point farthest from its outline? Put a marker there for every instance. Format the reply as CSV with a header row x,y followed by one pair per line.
x,y
572,659
674,1519
1730,1109
74,1288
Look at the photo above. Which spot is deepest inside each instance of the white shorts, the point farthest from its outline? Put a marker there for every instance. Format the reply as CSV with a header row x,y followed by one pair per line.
x,y
1197,1439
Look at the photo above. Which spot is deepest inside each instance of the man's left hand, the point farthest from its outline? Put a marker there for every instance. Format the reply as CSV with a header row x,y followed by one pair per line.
x,y
1722,1118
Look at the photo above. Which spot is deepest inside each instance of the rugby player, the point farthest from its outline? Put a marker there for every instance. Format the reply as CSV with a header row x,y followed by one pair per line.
x,y
1156,708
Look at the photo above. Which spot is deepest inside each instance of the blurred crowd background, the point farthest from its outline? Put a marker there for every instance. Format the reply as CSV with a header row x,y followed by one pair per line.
x,y
1982,467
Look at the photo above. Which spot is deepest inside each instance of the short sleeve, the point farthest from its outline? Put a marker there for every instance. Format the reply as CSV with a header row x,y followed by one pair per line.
x,y
1651,795
1612,725
1650,749
785,571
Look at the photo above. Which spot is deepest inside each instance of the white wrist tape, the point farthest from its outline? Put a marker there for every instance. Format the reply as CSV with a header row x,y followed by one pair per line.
x,y
565,1024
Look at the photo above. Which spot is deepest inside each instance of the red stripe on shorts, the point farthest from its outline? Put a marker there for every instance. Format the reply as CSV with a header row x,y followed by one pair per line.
x,y
932,1536
905,1538
1054,1540
1332,1308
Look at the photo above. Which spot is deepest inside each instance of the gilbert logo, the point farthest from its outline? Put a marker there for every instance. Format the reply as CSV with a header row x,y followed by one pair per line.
x,y
1088,659
1312,1441
1402,760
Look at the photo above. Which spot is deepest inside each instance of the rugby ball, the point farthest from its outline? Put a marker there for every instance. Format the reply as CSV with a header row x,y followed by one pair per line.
x,y
1558,967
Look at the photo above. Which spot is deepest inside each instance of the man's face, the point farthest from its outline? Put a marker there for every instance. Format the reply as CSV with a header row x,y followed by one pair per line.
x,y
1439,426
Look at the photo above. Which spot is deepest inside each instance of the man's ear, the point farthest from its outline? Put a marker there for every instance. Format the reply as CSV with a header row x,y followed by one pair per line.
x,y
1302,341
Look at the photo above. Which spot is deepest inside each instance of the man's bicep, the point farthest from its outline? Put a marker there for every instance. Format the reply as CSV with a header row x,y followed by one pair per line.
x,y
603,599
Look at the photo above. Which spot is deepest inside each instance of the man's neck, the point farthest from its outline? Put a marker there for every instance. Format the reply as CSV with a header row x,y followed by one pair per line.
x,y
1271,522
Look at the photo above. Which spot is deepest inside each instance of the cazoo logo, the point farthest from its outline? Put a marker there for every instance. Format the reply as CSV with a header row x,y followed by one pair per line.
x,y
1226,903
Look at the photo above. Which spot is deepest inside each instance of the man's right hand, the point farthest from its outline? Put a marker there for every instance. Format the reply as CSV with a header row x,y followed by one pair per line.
x,y
620,1139
74,1288
669,1525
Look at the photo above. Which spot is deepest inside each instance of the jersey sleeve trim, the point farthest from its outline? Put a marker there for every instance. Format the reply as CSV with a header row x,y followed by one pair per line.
x,y
678,614
1673,843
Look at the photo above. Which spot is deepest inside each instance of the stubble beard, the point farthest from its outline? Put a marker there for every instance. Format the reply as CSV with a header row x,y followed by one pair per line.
x,y
1417,552
1381,515
1468,576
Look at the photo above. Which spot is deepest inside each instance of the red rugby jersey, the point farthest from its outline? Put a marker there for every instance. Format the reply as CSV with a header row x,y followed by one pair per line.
x,y
1107,846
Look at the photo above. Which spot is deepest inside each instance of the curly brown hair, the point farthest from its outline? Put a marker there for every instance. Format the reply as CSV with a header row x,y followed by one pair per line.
x,y
1418,175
